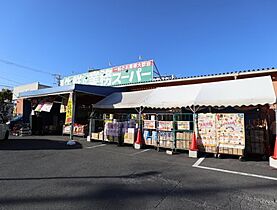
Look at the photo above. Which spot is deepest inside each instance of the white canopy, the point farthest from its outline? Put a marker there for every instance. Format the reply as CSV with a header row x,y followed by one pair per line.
x,y
121,100
241,92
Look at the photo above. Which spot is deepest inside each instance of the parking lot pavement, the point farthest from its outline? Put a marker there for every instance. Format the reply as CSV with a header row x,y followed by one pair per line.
x,y
44,173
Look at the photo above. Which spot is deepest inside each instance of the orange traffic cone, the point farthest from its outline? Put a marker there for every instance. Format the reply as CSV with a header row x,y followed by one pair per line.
x,y
138,143
275,149
193,146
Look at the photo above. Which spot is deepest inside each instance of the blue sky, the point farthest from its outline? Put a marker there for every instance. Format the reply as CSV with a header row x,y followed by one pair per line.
x,y
184,37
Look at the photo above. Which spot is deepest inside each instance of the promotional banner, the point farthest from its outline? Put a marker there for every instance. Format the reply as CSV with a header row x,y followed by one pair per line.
x,y
206,129
183,125
165,125
222,130
149,124
68,117
230,130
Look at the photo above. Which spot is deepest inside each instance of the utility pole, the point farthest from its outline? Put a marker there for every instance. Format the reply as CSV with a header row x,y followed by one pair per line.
x,y
57,78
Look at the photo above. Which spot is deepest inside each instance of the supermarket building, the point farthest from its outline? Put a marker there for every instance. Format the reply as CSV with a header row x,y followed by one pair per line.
x,y
110,104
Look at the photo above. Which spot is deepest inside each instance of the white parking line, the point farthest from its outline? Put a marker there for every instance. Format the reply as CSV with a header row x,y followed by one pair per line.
x,y
197,163
140,152
100,145
200,160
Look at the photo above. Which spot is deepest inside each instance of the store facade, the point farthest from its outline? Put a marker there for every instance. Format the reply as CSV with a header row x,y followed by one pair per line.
x,y
228,117
63,110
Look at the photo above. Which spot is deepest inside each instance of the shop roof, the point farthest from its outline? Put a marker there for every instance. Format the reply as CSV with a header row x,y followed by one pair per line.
x,y
254,72
240,92
88,89
121,100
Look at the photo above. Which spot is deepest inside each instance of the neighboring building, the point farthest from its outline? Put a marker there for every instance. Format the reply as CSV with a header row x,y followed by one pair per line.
x,y
19,103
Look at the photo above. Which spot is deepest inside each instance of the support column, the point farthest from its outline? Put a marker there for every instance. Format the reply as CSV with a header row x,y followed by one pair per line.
x,y
73,115
273,159
193,150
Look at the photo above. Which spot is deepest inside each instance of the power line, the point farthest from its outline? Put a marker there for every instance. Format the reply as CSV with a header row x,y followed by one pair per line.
x,y
57,77
25,67
10,80
8,86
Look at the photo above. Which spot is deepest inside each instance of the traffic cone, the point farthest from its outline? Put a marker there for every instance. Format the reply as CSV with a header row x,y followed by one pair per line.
x,y
138,143
193,146
275,150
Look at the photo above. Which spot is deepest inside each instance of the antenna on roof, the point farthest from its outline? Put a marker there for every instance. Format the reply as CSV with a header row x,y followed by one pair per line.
x,y
110,63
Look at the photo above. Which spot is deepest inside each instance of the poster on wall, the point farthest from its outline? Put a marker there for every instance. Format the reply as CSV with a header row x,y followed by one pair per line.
x,y
68,116
206,126
149,124
230,130
183,125
165,125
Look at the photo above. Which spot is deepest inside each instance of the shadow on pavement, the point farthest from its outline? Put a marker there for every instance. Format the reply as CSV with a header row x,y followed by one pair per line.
x,y
36,144
129,176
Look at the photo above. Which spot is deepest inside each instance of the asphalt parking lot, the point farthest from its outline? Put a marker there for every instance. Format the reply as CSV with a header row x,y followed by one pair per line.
x,y
44,173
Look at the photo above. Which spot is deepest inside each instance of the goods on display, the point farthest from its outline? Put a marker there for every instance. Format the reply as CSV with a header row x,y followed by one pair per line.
x,y
150,137
97,135
166,139
149,124
165,125
182,144
129,136
183,125
256,141
116,131
78,129
118,75
183,140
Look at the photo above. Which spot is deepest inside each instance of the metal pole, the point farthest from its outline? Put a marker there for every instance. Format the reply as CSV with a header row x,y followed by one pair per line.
x,y
139,125
275,124
91,122
73,115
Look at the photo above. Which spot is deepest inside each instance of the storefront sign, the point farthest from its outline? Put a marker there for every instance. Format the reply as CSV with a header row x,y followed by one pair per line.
x,y
133,73
165,125
149,124
119,75
183,125
68,118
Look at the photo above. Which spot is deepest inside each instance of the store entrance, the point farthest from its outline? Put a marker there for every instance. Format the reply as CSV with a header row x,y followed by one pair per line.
x,y
48,123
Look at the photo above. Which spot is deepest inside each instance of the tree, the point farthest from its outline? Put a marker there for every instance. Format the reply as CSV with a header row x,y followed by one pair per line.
x,y
5,94
6,105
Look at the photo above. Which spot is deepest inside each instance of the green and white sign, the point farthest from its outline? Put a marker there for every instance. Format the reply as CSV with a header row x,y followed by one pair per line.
x,y
133,73
119,75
